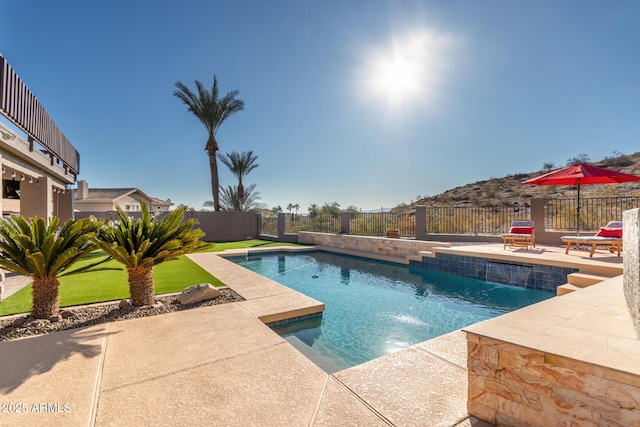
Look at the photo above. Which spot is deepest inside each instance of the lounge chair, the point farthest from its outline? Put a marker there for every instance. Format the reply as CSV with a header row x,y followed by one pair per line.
x,y
610,236
520,234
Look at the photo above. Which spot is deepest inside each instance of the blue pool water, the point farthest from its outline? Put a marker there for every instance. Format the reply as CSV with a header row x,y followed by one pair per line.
x,y
374,308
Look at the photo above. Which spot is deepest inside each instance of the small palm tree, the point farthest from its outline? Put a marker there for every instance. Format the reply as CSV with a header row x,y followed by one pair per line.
x,y
240,164
45,252
141,244
212,112
230,200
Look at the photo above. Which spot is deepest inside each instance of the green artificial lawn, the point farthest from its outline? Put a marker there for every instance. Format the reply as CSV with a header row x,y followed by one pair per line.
x,y
244,244
110,285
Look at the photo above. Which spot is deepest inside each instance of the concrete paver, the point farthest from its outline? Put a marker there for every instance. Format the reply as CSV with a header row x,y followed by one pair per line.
x,y
397,387
273,386
180,340
51,379
341,407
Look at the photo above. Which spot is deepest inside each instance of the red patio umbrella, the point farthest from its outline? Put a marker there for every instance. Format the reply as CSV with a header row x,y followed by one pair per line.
x,y
581,174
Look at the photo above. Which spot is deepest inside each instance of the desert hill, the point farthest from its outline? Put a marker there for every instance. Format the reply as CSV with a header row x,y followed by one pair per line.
x,y
508,190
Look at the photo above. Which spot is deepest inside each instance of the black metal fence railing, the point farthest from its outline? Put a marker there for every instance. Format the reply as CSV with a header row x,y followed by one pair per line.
x,y
269,226
561,214
378,223
474,219
321,222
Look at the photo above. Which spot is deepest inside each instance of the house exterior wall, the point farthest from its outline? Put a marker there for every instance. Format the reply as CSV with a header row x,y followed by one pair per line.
x,y
129,203
94,206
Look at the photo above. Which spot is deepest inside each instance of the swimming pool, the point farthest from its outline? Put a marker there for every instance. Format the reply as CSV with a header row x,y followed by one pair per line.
x,y
374,308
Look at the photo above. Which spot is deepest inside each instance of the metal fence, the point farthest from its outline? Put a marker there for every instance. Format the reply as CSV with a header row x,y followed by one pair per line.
x,y
269,226
561,214
321,222
474,219
378,223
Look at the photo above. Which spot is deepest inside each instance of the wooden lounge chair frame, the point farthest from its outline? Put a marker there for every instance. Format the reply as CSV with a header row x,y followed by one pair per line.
x,y
519,239
613,244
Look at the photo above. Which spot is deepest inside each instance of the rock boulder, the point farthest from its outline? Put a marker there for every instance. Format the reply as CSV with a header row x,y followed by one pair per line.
x,y
197,293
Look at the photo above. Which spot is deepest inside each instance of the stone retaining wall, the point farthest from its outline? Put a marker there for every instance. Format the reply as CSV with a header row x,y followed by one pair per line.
x,y
517,386
377,245
631,239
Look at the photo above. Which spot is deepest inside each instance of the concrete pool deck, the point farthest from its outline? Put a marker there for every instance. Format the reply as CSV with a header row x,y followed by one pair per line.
x,y
221,365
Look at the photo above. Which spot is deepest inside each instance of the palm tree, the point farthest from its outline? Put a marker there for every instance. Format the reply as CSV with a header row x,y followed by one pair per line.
x,y
212,112
240,164
141,244
230,200
45,252
313,210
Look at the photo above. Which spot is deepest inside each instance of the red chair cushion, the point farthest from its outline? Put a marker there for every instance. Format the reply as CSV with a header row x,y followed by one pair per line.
x,y
610,232
521,230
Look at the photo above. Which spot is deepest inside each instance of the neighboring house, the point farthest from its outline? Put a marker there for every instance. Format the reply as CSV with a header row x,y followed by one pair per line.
x,y
38,161
102,200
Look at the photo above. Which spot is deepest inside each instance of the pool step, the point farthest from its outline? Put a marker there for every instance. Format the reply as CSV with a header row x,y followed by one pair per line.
x,y
319,354
579,281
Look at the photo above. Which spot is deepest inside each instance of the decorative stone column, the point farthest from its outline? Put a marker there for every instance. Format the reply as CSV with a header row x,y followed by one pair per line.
x,y
281,224
345,222
631,259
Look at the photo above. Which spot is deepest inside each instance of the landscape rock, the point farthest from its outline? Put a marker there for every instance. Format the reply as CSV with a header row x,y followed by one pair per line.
x,y
55,318
66,314
19,322
197,293
25,326
125,305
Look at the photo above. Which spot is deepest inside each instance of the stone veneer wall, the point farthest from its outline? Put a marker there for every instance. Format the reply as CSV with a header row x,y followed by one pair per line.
x,y
377,245
631,279
510,385
525,275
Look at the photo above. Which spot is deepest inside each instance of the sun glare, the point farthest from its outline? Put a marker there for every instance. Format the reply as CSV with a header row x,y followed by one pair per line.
x,y
406,72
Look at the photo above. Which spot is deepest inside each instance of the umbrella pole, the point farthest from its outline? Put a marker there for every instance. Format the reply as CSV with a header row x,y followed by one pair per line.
x,y
578,211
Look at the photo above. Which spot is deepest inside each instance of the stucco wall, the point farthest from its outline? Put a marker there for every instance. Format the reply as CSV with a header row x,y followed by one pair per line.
x,y
227,226
217,226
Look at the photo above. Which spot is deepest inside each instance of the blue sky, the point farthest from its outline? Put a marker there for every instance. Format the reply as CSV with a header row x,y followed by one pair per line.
x,y
367,103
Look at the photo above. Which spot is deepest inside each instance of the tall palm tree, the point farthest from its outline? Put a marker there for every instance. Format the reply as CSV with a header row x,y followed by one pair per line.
x,y
141,244
240,164
212,111
45,252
